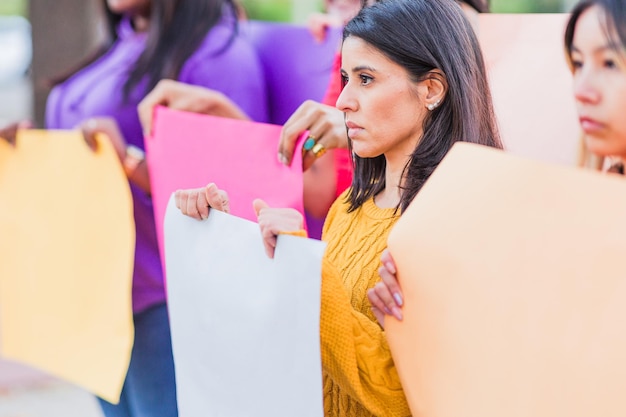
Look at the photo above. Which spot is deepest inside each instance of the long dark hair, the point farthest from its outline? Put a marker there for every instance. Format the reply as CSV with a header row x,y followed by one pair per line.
x,y
481,6
177,28
421,36
615,22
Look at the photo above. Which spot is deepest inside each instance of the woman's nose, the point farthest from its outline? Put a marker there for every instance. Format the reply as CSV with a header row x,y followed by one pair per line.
x,y
585,90
346,101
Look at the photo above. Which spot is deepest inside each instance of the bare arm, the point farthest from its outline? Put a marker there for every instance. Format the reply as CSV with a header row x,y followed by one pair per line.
x,y
186,97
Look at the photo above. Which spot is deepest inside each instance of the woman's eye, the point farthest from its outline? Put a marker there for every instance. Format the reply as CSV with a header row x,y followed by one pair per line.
x,y
344,80
609,63
365,79
576,64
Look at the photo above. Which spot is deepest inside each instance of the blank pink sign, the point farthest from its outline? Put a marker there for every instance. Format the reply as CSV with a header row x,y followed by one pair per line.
x,y
188,150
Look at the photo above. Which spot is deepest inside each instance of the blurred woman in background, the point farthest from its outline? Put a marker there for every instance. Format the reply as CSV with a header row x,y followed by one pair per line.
x,y
195,42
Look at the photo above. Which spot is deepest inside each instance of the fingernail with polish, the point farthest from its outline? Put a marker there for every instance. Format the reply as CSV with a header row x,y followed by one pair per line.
x,y
398,298
397,313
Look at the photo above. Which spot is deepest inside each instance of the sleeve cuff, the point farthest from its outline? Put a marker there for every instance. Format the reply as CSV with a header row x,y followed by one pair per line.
x,y
299,233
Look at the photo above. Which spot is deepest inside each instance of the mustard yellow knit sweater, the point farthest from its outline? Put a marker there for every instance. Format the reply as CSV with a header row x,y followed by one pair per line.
x,y
360,379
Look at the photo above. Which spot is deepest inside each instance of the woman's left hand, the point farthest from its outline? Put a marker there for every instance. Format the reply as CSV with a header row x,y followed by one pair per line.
x,y
386,296
274,221
107,126
135,167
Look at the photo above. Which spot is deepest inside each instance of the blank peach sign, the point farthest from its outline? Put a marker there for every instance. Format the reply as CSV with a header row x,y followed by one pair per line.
x,y
531,84
515,290
66,259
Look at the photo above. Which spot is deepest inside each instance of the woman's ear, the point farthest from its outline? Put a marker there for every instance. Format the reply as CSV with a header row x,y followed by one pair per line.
x,y
437,87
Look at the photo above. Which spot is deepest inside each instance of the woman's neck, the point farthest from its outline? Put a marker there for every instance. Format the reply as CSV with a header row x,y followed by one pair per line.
x,y
390,196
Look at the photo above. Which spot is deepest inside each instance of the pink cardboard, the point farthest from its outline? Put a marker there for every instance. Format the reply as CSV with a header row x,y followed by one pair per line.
x,y
188,150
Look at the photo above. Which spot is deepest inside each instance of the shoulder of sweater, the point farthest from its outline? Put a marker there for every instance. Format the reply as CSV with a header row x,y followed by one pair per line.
x,y
340,205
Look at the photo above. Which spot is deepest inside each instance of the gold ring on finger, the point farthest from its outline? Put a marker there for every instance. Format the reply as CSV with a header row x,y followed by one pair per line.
x,y
318,149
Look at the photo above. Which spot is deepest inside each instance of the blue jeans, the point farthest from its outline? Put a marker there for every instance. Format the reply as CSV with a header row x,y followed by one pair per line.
x,y
150,388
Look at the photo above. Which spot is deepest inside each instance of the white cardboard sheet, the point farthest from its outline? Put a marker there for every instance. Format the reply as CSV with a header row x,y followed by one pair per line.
x,y
245,328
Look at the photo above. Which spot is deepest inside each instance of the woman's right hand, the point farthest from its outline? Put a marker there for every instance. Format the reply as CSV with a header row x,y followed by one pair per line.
x,y
318,24
9,133
197,202
324,123
186,97
386,296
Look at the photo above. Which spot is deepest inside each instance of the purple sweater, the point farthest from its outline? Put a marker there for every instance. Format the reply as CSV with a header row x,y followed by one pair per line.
x,y
97,91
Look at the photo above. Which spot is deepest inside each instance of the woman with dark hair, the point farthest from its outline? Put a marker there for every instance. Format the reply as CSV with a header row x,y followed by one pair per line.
x,y
414,84
327,174
599,79
195,42
320,119
595,47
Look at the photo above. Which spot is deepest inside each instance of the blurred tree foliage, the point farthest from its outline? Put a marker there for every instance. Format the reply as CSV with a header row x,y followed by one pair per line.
x,y
273,10
526,6
284,10
13,7
281,10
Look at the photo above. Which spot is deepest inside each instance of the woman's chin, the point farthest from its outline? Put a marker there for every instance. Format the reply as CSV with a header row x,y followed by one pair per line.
x,y
603,147
364,153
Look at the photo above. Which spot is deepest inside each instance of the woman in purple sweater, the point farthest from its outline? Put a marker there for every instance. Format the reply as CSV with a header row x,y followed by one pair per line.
x,y
190,41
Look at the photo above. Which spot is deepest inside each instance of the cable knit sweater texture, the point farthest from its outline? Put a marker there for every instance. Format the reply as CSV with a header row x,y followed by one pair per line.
x,y
360,379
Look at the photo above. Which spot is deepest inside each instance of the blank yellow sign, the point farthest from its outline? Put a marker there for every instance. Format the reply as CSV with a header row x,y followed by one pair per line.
x,y
66,259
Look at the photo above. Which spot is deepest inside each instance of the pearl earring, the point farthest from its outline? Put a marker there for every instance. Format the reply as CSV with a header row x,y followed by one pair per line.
x,y
433,106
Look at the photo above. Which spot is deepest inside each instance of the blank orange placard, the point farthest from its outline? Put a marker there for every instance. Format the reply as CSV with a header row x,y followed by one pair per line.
x,y
515,291
531,84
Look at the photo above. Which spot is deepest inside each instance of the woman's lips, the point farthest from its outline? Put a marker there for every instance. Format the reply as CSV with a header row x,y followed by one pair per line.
x,y
590,125
353,129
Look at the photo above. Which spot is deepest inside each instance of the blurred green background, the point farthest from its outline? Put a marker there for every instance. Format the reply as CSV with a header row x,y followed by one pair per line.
x,y
297,10
13,7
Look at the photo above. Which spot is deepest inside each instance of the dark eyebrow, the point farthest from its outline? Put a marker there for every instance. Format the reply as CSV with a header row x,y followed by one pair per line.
x,y
363,68
610,46
359,68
